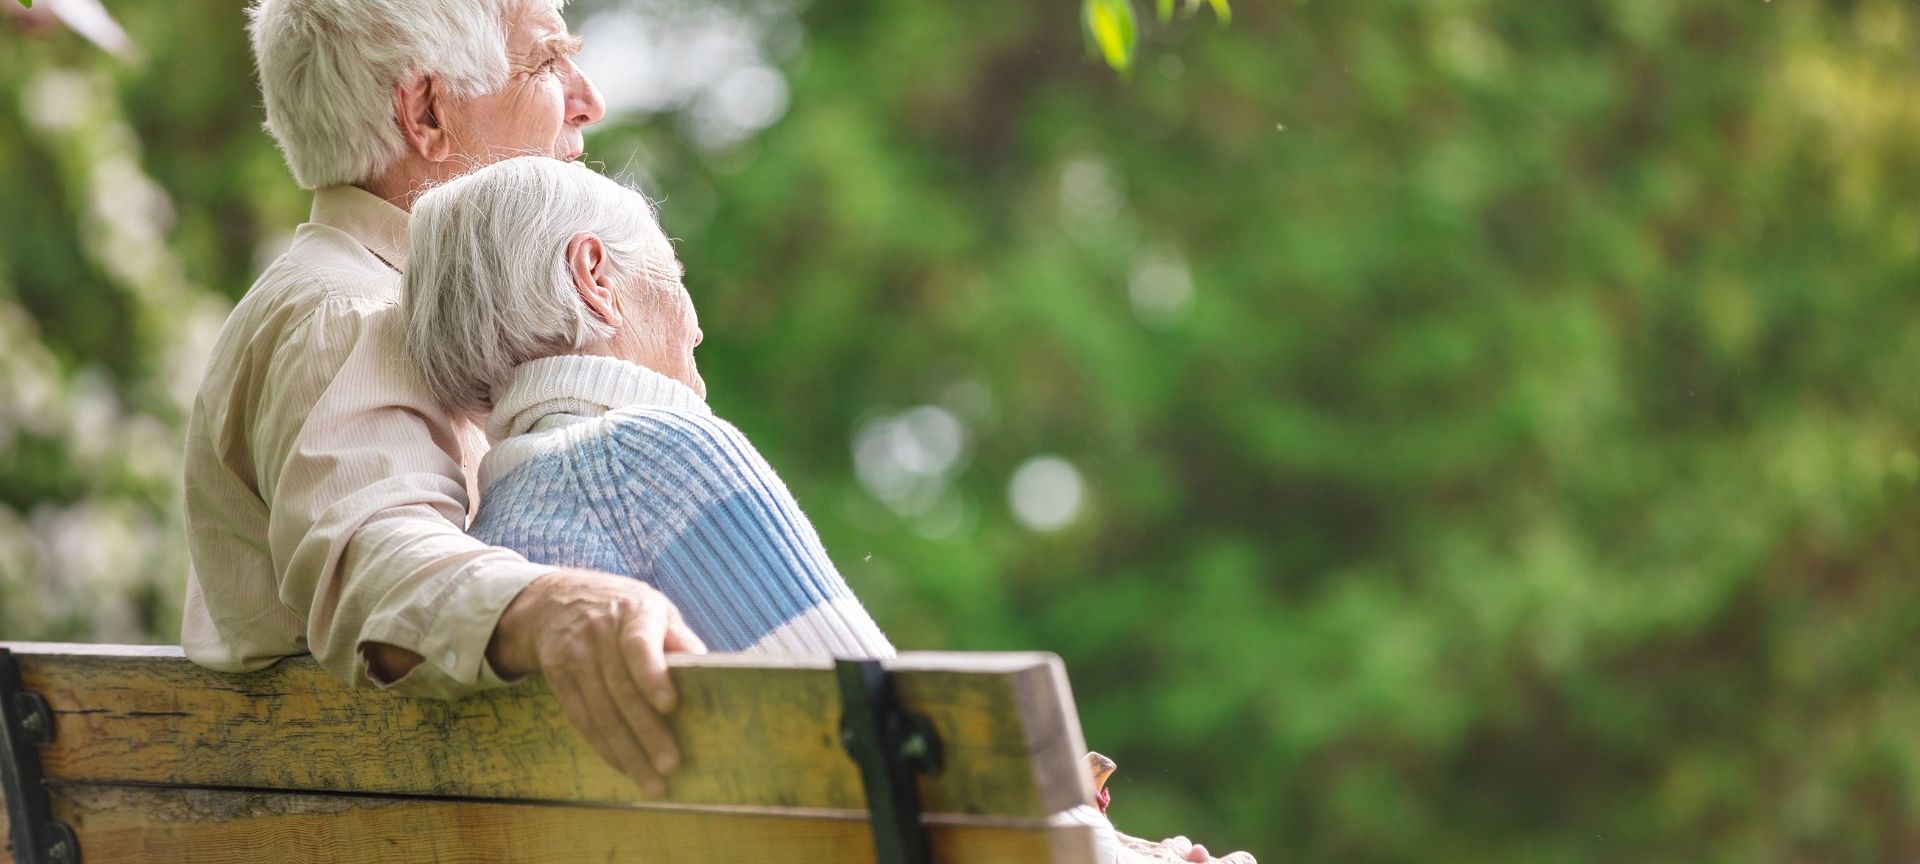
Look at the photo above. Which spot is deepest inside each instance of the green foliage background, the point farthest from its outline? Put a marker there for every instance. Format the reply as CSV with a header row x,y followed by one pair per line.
x,y
1497,420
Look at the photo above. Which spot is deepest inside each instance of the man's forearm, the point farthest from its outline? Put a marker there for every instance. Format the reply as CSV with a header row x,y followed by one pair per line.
x,y
509,651
388,663
413,603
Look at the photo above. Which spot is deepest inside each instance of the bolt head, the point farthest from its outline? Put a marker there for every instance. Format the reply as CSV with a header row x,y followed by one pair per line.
x,y
914,747
58,850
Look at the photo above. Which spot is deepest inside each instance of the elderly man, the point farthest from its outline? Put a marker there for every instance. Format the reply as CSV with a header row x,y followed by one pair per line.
x,y
327,490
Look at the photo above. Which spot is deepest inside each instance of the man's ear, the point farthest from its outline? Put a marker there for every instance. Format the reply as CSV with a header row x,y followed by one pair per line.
x,y
592,277
416,105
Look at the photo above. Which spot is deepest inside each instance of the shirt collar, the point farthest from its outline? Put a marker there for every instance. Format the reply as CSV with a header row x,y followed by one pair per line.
x,y
570,388
366,217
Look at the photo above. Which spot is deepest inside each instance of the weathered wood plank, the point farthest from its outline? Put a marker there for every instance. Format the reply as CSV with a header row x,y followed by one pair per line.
x,y
125,825
94,649
755,732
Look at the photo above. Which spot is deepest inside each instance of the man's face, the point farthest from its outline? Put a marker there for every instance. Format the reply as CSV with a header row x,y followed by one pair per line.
x,y
544,105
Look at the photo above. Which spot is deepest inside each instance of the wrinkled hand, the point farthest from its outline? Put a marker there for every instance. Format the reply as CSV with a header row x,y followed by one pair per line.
x,y
1133,850
1187,850
601,642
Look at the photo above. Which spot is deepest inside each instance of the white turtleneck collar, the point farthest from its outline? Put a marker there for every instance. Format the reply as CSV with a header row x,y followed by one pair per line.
x,y
554,400
569,388
553,392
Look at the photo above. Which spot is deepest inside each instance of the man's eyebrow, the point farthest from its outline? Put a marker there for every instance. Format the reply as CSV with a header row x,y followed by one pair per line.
x,y
559,45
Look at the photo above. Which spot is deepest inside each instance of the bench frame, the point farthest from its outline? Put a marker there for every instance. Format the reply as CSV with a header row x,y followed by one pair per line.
x,y
891,744
892,754
26,725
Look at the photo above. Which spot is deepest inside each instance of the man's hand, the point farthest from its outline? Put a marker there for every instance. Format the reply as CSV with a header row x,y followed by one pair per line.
x,y
601,642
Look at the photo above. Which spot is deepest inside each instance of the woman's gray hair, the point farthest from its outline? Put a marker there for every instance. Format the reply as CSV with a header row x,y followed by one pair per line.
x,y
328,69
487,282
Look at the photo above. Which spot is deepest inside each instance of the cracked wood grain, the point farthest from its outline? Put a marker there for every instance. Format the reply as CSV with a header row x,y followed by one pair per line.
x,y
756,732
127,824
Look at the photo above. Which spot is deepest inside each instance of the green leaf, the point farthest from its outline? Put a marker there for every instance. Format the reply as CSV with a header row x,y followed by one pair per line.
x,y
27,4
1165,10
1222,11
1113,27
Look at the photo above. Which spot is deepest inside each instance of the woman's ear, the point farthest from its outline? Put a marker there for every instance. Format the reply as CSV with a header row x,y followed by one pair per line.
x,y
592,277
417,105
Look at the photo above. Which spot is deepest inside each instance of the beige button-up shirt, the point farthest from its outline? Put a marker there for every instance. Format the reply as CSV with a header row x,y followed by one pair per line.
x,y
327,494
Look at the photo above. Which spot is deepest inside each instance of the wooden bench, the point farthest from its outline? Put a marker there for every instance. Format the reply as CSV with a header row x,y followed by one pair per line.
x,y
151,758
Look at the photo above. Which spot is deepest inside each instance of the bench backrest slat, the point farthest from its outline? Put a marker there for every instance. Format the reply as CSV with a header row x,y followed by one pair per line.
x,y
125,824
757,732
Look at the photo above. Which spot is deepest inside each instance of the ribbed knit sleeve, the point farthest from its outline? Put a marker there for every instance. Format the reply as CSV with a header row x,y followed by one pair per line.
x,y
682,500
696,507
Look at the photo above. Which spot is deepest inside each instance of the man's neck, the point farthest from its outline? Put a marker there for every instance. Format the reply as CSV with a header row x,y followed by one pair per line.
x,y
404,180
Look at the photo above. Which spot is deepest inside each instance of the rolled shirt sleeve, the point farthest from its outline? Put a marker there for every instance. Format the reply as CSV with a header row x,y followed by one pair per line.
x,y
368,506
327,494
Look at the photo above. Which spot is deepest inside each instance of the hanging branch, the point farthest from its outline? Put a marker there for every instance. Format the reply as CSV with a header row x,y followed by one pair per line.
x,y
1116,31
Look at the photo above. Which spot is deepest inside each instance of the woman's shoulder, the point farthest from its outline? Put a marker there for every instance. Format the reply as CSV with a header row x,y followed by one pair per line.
x,y
657,450
676,431
662,419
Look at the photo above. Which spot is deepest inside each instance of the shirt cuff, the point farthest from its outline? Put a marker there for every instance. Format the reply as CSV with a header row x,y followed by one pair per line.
x,y
455,643
458,635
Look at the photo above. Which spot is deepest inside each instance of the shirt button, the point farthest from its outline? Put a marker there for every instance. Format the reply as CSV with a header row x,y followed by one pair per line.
x,y
450,660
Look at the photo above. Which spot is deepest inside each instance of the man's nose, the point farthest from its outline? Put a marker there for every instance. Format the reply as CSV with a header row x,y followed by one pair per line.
x,y
584,105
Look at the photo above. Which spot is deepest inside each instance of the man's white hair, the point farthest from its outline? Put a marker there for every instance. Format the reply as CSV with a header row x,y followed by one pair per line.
x,y
487,282
328,69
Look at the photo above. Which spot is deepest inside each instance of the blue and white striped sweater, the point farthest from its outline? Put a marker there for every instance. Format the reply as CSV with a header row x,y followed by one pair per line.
x,y
603,464
610,466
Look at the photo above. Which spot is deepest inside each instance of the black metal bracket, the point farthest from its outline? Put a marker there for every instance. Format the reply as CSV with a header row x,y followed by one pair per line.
x,y
26,725
891,745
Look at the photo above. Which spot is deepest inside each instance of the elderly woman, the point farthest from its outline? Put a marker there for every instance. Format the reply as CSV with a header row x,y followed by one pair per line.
x,y
548,294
